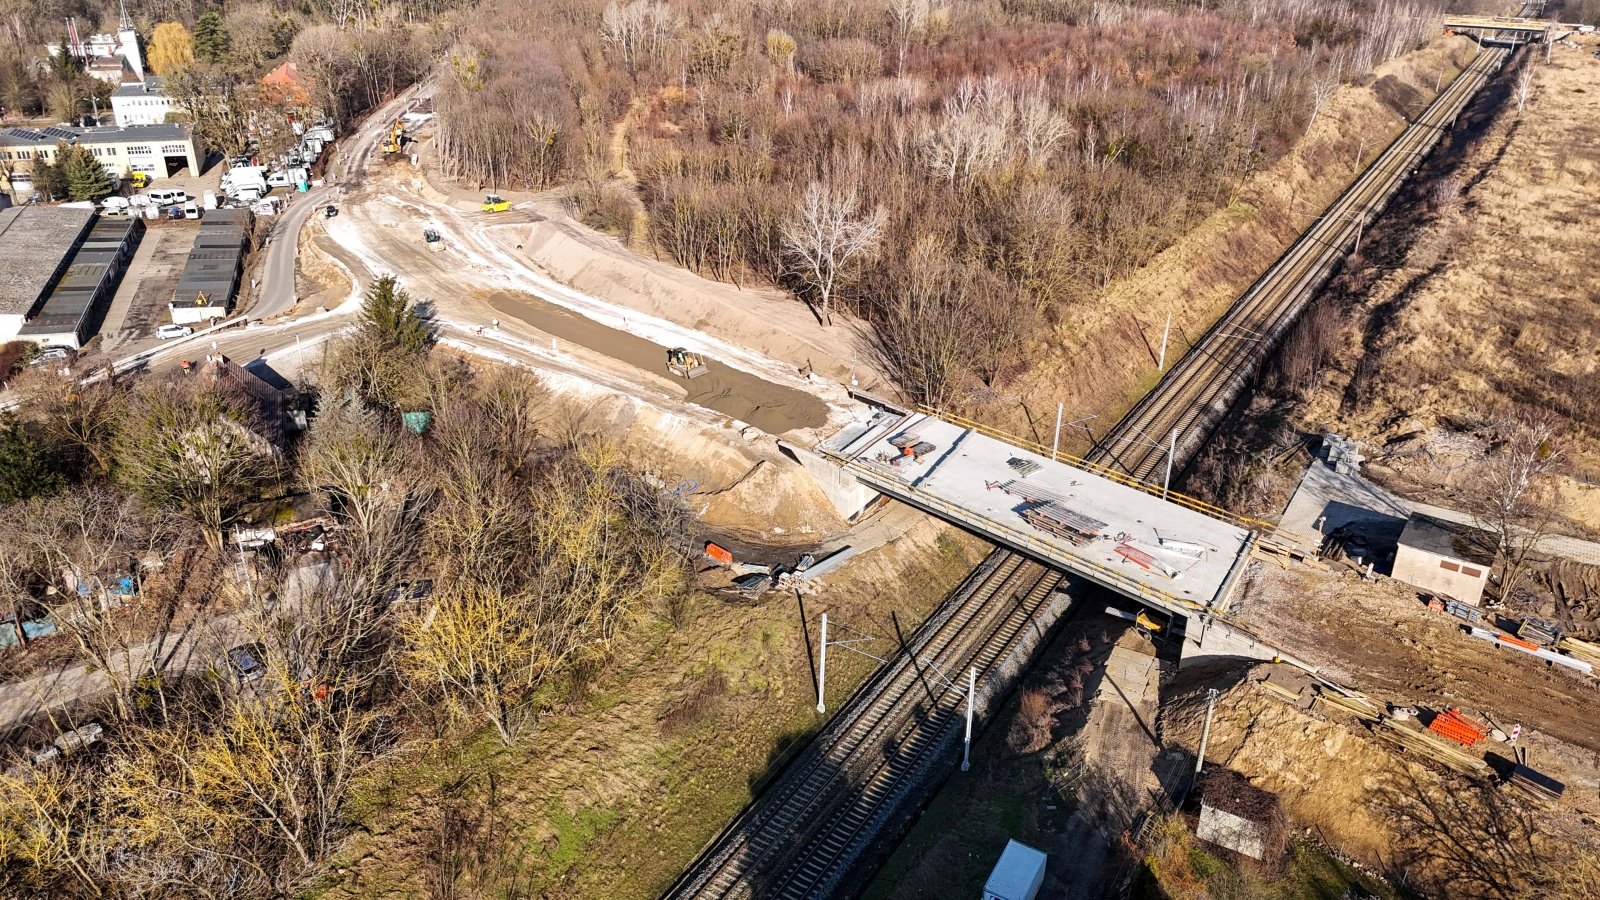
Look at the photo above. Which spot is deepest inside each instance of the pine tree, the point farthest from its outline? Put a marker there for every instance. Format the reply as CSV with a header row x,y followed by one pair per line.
x,y
390,319
211,38
85,177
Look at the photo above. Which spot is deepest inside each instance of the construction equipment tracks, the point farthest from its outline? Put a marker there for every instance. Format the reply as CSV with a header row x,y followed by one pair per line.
x,y
1194,395
801,837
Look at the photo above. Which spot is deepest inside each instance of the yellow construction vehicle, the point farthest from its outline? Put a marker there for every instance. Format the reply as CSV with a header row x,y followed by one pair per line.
x,y
397,137
139,180
684,364
495,203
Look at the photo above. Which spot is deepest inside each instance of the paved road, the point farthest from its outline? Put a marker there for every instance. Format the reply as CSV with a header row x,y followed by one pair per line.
x,y
276,292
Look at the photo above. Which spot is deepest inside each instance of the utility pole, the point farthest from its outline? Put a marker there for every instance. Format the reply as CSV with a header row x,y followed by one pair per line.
x,y
822,665
1161,365
1205,733
1056,444
972,694
1172,450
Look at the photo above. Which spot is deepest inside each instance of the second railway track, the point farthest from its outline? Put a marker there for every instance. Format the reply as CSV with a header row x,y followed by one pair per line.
x,y
823,814
1195,393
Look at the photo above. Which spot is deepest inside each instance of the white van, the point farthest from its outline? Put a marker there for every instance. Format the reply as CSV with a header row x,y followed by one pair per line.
x,y
164,197
115,205
209,199
190,210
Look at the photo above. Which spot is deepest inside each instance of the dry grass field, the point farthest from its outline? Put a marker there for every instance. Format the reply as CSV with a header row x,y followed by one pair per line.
x,y
1495,304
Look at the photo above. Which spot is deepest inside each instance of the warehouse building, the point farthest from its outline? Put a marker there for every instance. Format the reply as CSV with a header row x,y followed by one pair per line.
x,y
158,151
211,274
76,304
37,244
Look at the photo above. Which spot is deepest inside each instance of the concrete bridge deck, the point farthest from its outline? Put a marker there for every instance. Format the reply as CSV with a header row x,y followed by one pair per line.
x,y
1124,537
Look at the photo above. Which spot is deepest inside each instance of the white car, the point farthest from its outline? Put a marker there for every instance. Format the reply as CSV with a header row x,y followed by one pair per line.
x,y
173,331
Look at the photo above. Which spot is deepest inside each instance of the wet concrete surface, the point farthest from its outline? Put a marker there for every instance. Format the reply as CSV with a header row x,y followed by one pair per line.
x,y
773,408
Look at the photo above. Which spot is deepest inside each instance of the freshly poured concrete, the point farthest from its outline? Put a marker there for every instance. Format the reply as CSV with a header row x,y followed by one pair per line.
x,y
958,481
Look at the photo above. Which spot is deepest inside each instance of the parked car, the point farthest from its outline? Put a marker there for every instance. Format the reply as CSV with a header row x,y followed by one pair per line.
x,y
330,211
191,211
248,661
166,332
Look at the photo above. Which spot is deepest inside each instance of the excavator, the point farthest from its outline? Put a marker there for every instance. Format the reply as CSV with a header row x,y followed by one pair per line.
x,y
684,364
495,203
397,137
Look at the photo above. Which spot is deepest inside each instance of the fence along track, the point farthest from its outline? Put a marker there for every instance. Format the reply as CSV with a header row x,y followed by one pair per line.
x,y
1195,393
813,819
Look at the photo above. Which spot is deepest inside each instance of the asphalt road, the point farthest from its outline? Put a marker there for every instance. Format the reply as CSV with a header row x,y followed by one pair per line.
x,y
276,292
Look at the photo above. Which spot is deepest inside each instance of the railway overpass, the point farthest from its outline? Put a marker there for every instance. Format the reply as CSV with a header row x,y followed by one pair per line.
x,y
1511,29
1172,553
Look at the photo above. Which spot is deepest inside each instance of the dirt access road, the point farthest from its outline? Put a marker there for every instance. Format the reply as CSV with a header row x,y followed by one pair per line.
x,y
479,278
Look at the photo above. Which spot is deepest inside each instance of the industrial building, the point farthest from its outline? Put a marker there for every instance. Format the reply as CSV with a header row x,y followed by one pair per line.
x,y
62,269
211,274
158,151
1444,557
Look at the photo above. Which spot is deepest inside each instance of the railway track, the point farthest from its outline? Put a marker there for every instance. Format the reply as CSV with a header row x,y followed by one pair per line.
x,y
1192,397
803,835
800,838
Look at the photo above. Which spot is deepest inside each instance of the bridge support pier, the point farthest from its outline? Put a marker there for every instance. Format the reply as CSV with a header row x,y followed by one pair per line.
x,y
1207,640
848,495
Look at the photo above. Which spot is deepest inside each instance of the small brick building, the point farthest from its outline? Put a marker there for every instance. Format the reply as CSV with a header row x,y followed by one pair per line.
x,y
1444,557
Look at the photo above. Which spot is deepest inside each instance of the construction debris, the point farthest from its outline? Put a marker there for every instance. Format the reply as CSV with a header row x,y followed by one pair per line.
x,y
1411,738
1501,639
1535,785
1458,727
1023,467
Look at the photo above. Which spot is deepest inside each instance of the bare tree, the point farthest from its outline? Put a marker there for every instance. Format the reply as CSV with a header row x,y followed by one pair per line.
x,y
908,19
827,237
194,450
1510,493
88,544
1322,91
636,29
1524,86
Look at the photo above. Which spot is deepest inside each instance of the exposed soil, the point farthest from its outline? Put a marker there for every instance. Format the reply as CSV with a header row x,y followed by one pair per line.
x,y
773,408
1423,827
1379,638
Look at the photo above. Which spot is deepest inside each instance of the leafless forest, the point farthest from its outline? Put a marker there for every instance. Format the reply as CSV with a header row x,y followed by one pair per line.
x,y
959,173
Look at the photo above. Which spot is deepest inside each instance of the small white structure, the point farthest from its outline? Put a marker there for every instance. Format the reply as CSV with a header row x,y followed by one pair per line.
x,y
1238,816
1444,557
1018,875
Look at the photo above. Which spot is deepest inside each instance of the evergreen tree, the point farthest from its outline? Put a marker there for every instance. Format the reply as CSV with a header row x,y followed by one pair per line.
x,y
27,467
85,177
390,319
65,66
211,39
48,179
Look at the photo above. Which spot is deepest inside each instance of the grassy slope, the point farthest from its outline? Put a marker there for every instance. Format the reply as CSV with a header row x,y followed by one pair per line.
x,y
614,795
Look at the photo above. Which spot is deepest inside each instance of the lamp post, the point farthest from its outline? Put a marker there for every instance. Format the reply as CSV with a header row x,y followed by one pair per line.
x,y
96,102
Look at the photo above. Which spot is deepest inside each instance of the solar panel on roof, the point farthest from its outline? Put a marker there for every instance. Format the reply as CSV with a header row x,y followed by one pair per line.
x,y
62,133
25,134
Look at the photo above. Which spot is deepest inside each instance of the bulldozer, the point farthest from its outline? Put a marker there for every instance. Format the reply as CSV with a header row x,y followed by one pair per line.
x,y
495,203
684,364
